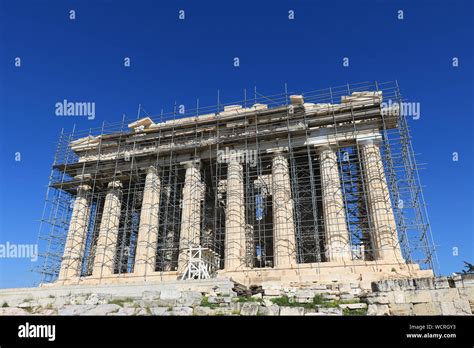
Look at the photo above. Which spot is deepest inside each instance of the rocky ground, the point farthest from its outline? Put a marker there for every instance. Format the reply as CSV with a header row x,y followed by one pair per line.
x,y
427,296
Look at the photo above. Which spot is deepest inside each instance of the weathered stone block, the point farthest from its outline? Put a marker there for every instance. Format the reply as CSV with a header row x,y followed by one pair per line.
x,y
141,311
445,295
378,309
393,284
441,283
126,311
267,302
345,287
74,309
203,311
249,308
330,311
462,307
93,299
78,300
219,299
60,302
13,311
418,296
272,292
190,298
427,309
158,303
399,296
424,283
308,311
235,306
304,296
103,309
182,311
223,311
170,294
47,312
354,305
401,308
291,311
151,295
467,293
346,297
380,298
272,310
447,308
330,297
160,311
45,301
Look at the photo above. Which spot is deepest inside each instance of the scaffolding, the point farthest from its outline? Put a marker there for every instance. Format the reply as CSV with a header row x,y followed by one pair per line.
x,y
121,153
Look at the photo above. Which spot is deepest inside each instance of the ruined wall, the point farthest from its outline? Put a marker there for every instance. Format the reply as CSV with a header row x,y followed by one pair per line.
x,y
422,296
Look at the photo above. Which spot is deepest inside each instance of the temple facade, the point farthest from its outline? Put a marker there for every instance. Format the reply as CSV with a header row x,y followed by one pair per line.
x,y
300,192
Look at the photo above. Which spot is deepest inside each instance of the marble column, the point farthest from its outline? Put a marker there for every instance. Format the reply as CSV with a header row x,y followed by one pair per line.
x,y
147,240
338,246
75,242
382,220
190,213
234,217
104,261
284,242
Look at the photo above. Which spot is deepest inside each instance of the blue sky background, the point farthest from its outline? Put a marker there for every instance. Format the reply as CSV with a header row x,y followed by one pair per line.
x,y
174,60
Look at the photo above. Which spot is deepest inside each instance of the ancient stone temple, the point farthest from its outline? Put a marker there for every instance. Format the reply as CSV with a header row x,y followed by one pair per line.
x,y
319,186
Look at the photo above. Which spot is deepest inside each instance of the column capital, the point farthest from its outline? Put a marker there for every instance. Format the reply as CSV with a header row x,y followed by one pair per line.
x,y
195,163
282,150
83,188
320,148
114,185
369,140
151,170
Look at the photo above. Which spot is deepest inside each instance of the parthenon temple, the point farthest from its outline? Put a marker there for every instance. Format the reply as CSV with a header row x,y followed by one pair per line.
x,y
319,186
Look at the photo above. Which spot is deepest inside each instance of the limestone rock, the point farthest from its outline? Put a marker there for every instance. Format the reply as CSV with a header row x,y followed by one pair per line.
x,y
182,311
13,311
462,307
447,308
74,309
330,311
160,311
353,305
418,296
126,311
291,311
249,308
441,283
269,310
203,311
93,299
170,294
401,309
151,295
445,295
378,309
103,309
272,292
190,298
427,309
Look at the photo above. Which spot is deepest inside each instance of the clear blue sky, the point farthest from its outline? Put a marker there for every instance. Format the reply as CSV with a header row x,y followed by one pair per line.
x,y
171,59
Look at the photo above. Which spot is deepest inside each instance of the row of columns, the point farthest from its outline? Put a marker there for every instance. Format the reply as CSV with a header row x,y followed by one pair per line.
x,y
338,248
384,237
